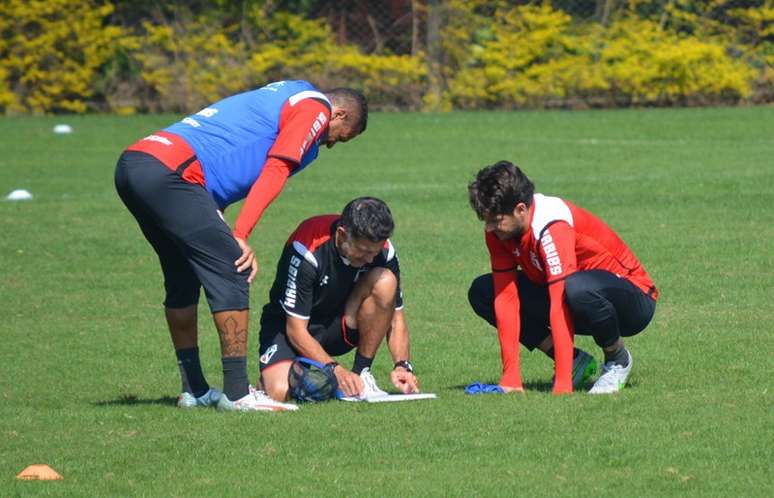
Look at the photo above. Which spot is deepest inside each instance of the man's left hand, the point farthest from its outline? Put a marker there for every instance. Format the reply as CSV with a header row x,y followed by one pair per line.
x,y
246,260
404,380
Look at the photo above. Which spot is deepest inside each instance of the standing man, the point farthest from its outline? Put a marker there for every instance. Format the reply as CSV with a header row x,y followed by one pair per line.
x,y
177,182
556,269
338,288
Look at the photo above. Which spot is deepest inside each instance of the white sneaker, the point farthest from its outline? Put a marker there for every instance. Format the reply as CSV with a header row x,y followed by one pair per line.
x,y
613,377
263,399
210,398
254,401
370,389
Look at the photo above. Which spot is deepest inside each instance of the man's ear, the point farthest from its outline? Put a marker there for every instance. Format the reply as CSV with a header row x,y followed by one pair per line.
x,y
339,112
520,209
341,232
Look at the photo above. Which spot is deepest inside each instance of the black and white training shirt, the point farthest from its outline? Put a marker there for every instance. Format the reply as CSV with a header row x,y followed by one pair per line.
x,y
313,280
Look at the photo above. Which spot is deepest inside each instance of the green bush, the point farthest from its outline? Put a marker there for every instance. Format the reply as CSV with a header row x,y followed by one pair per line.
x,y
51,53
74,56
535,57
644,64
185,66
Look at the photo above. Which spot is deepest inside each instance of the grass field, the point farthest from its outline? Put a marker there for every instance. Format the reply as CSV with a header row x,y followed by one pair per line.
x,y
89,378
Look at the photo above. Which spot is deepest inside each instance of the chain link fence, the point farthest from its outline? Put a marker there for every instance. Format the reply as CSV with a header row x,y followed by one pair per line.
x,y
401,26
174,55
424,28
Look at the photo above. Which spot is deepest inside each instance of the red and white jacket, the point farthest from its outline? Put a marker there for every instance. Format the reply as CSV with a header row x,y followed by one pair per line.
x,y
562,240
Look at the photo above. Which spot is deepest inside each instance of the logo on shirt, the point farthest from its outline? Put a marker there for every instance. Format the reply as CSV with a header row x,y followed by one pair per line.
x,y
159,139
266,357
290,286
191,121
316,127
207,112
535,261
552,257
324,281
274,87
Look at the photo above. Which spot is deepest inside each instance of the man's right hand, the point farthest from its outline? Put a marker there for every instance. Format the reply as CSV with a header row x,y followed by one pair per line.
x,y
349,382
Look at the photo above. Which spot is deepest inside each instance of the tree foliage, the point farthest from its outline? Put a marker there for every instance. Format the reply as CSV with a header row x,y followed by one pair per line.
x,y
140,56
52,52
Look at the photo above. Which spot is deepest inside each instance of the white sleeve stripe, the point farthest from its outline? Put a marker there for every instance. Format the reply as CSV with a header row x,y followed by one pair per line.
x,y
399,308
291,313
307,94
306,253
390,250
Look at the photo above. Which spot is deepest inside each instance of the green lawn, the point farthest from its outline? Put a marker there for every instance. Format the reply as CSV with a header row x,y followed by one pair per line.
x,y
89,377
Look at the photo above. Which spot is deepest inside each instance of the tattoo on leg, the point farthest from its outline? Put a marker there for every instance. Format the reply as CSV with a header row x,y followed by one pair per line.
x,y
233,340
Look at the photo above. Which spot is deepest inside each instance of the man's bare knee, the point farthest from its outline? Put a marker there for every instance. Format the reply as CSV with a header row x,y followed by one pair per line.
x,y
378,288
275,381
276,391
385,284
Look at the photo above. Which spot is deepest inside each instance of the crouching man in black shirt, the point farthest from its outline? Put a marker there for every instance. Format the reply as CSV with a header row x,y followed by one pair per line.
x,y
337,288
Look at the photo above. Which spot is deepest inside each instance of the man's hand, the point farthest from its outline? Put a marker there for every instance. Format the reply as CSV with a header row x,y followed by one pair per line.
x,y
246,260
349,382
404,380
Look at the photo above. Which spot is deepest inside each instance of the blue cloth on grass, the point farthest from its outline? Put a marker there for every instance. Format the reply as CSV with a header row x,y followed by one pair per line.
x,y
481,388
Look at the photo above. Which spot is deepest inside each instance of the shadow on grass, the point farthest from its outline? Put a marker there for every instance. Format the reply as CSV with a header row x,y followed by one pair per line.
x,y
132,400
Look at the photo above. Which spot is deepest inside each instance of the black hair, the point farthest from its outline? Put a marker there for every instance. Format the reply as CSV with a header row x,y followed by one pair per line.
x,y
367,218
498,188
353,101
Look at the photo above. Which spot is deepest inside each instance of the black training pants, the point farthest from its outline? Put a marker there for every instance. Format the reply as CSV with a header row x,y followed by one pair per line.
x,y
601,304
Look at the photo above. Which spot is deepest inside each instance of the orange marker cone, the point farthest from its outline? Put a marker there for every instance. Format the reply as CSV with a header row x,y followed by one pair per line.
x,y
40,472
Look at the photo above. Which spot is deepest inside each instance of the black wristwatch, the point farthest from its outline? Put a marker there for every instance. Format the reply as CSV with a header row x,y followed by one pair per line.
x,y
404,364
331,366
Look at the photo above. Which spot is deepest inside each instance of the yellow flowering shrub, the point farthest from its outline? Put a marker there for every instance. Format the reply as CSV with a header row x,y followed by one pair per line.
x,y
387,80
645,64
51,53
189,65
300,48
755,27
530,58
7,97
535,56
66,56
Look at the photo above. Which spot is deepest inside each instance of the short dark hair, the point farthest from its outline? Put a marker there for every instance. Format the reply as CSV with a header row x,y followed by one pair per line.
x,y
367,218
353,101
498,188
